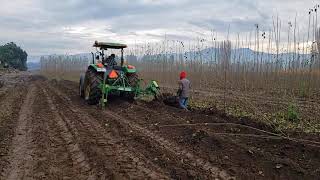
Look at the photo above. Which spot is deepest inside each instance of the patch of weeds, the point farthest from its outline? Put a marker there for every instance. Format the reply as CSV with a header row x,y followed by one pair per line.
x,y
292,113
279,119
238,112
199,105
288,119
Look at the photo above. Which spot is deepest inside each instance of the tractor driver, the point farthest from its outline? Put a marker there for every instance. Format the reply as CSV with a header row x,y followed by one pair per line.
x,y
98,59
110,61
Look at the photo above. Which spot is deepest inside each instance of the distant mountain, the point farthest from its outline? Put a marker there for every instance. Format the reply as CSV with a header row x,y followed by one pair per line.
x,y
209,55
242,54
32,66
33,59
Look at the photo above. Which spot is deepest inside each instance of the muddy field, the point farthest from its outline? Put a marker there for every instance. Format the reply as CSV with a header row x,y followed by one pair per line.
x,y
48,132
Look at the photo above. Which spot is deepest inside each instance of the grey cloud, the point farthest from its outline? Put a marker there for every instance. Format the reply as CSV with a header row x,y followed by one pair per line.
x,y
71,11
236,25
170,36
47,26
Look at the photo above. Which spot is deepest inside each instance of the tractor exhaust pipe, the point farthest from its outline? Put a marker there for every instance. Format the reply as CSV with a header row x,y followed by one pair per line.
x,y
92,57
122,59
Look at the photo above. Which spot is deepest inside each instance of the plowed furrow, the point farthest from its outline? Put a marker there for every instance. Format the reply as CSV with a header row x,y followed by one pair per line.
x,y
21,155
53,160
79,159
10,105
164,144
173,148
118,158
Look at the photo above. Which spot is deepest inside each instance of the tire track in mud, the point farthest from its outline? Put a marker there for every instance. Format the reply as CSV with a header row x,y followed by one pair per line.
x,y
53,158
22,155
10,105
79,160
163,144
118,157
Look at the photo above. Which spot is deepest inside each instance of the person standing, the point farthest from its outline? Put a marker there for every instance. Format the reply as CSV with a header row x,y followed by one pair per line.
x,y
184,90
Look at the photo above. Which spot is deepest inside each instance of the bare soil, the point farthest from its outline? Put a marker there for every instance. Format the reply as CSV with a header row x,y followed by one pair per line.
x,y
48,132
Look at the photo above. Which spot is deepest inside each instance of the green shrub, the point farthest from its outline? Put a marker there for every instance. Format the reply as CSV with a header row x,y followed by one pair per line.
x,y
292,114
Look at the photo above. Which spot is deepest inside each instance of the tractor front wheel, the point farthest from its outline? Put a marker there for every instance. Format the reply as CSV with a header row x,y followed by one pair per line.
x,y
92,91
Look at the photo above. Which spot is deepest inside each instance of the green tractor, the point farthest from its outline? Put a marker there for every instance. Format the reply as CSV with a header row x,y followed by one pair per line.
x,y
105,77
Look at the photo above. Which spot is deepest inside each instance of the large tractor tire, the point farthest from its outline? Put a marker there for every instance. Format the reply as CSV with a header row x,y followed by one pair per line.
x,y
92,92
81,86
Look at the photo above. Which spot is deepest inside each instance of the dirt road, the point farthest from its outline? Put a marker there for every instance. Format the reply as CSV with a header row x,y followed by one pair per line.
x,y
48,132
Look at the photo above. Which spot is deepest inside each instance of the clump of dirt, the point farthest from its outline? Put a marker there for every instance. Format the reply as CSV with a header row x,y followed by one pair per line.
x,y
194,137
8,70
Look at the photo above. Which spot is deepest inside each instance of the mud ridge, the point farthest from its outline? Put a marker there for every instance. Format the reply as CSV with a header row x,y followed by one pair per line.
x,y
138,162
21,156
78,157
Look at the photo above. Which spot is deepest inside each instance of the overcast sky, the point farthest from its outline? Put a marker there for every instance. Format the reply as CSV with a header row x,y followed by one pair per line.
x,y
71,26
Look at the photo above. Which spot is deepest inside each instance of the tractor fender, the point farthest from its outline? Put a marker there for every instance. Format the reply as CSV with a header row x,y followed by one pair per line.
x,y
81,85
96,68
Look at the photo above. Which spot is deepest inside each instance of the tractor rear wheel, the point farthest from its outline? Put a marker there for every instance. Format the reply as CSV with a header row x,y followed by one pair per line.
x,y
92,92
81,86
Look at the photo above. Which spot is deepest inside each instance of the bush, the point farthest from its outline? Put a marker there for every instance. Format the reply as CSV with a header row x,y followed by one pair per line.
x,y
13,56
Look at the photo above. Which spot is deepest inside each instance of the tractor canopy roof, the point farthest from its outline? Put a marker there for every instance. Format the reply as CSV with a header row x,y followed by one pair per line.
x,y
107,45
